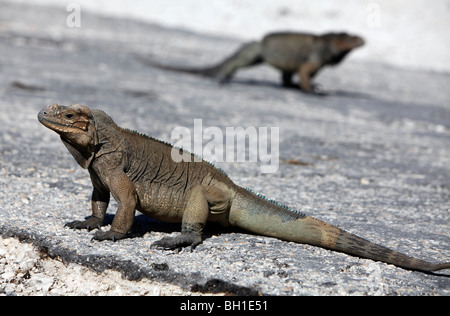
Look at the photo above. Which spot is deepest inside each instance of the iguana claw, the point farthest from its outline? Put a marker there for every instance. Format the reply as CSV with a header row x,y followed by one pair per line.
x,y
89,224
178,242
108,235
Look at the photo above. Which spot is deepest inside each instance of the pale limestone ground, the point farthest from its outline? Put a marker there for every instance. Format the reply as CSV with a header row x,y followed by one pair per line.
x,y
25,271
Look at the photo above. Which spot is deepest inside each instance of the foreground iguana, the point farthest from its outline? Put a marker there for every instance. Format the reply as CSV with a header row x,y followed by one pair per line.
x,y
291,53
140,174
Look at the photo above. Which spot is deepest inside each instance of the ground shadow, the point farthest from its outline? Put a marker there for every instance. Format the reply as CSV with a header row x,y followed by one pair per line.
x,y
320,92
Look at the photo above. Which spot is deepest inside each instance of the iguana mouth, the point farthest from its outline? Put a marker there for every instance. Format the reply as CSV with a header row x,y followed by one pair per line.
x,y
61,127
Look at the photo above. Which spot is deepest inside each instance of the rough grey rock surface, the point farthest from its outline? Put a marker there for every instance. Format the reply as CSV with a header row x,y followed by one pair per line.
x,y
26,270
371,156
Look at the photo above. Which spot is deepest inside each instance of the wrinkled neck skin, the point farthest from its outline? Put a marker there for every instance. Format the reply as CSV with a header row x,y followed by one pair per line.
x,y
335,57
107,132
83,155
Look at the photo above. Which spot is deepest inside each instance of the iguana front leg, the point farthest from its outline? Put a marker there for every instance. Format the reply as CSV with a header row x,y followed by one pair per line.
x,y
306,72
200,201
286,79
99,203
124,193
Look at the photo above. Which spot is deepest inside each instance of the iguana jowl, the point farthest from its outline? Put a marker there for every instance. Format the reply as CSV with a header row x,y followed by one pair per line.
x,y
291,53
140,174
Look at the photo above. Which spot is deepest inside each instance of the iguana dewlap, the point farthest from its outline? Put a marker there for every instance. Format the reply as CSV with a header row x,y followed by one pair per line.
x,y
138,171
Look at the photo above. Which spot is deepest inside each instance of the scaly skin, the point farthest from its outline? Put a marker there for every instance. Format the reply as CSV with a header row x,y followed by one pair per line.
x,y
139,172
291,53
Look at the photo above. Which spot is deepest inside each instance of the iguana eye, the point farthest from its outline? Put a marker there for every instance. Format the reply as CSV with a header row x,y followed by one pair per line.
x,y
68,116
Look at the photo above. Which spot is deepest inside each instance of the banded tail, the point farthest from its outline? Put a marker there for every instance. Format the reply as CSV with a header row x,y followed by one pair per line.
x,y
261,216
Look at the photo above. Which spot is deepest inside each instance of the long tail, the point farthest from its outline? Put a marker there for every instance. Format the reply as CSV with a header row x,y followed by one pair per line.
x,y
248,55
259,215
206,71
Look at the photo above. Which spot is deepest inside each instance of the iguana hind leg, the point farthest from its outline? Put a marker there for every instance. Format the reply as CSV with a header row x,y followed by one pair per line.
x,y
250,54
201,200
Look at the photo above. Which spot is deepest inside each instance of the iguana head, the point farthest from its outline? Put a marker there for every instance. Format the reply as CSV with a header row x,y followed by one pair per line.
x,y
75,125
345,42
339,45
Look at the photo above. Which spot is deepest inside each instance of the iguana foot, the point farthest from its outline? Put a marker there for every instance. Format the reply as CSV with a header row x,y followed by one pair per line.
x,y
184,240
108,235
223,79
89,224
314,89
